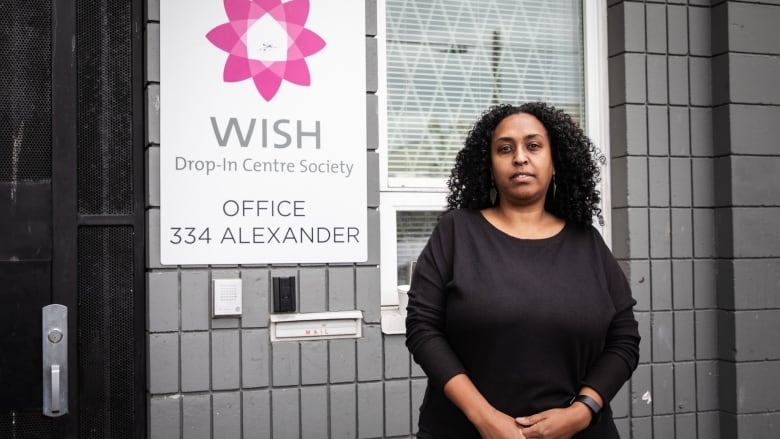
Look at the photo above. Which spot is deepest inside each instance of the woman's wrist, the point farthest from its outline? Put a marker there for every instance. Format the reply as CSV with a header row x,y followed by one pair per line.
x,y
581,414
589,398
462,392
480,413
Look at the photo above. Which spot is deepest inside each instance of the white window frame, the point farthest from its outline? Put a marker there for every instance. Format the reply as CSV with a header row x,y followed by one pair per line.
x,y
390,203
402,194
594,14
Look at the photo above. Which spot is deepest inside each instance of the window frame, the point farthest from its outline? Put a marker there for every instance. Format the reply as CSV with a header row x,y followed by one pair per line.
x,y
390,203
401,194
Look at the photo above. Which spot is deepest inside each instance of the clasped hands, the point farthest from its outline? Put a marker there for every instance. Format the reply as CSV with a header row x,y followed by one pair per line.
x,y
559,423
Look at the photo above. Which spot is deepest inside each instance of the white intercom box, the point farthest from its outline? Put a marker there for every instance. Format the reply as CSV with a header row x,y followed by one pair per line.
x,y
226,297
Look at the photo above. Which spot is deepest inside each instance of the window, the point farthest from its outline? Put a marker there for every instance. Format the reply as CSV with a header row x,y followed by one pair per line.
x,y
444,62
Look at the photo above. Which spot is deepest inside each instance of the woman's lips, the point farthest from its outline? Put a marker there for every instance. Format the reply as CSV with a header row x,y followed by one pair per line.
x,y
521,177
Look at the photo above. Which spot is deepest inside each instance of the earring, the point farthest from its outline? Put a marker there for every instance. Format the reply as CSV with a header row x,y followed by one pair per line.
x,y
493,193
554,187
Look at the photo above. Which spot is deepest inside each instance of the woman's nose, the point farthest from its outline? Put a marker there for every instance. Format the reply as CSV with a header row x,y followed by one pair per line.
x,y
520,157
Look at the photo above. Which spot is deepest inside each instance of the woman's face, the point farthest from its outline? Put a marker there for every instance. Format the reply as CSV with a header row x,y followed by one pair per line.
x,y
521,156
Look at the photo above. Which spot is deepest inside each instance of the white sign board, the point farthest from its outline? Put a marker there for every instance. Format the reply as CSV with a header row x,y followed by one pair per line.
x,y
262,131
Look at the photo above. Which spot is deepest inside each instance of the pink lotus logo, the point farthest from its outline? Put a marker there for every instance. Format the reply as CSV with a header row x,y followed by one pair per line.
x,y
266,40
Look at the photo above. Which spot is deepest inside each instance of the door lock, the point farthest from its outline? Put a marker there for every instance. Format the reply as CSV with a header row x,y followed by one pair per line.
x,y
55,360
55,335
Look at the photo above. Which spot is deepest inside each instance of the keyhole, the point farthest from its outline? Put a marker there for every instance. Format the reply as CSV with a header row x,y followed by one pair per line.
x,y
55,335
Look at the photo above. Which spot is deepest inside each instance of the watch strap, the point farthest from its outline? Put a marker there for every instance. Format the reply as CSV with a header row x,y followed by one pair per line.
x,y
589,402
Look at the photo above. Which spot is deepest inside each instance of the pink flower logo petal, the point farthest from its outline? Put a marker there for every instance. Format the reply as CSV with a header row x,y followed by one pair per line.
x,y
266,40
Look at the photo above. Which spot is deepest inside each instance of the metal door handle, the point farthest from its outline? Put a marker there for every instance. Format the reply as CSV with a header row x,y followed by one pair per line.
x,y
55,360
55,388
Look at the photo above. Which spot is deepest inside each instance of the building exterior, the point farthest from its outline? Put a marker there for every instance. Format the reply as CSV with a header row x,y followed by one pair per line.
x,y
681,94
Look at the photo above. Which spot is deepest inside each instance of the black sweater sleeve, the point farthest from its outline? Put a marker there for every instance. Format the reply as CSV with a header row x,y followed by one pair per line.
x,y
425,336
621,350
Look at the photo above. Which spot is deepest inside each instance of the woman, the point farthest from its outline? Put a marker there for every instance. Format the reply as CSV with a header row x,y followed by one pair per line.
x,y
518,313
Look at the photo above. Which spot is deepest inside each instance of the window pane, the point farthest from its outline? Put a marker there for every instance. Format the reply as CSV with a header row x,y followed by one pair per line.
x,y
448,60
413,228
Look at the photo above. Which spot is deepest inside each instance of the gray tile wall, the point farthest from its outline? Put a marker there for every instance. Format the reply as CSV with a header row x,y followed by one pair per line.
x,y
223,378
694,111
694,119
745,69
660,133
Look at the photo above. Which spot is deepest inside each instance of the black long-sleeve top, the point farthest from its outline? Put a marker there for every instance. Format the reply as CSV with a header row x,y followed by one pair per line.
x,y
530,321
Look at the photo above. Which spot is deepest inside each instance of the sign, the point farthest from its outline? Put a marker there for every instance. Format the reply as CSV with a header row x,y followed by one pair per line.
x,y
262,132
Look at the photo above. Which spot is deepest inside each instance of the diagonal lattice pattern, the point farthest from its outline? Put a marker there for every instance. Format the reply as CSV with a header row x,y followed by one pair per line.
x,y
448,60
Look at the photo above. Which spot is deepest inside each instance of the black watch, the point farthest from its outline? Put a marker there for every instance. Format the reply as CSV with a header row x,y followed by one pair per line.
x,y
589,402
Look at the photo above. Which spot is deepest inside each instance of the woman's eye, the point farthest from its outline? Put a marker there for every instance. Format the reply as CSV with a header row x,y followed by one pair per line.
x,y
505,148
533,146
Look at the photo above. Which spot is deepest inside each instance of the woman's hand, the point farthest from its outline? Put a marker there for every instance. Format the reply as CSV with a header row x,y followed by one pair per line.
x,y
490,422
556,423
498,425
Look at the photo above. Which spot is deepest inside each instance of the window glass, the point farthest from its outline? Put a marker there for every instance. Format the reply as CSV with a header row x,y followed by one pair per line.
x,y
448,60
413,228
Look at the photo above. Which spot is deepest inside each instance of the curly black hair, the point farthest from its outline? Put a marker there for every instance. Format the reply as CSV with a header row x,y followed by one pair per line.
x,y
575,158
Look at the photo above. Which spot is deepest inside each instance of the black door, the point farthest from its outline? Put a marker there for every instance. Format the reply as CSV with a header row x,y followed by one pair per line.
x,y
72,213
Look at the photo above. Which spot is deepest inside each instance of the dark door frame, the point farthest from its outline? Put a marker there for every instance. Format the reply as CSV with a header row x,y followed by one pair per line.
x,y
64,204
65,214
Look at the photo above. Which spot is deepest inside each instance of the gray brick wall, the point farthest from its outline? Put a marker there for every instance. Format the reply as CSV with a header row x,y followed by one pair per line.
x,y
223,378
694,121
694,110
745,68
655,60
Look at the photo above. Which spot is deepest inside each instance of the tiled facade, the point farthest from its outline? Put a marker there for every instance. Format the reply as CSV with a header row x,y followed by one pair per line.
x,y
694,117
223,378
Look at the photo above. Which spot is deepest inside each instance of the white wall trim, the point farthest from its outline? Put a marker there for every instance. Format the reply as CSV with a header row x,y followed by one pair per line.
x,y
597,98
